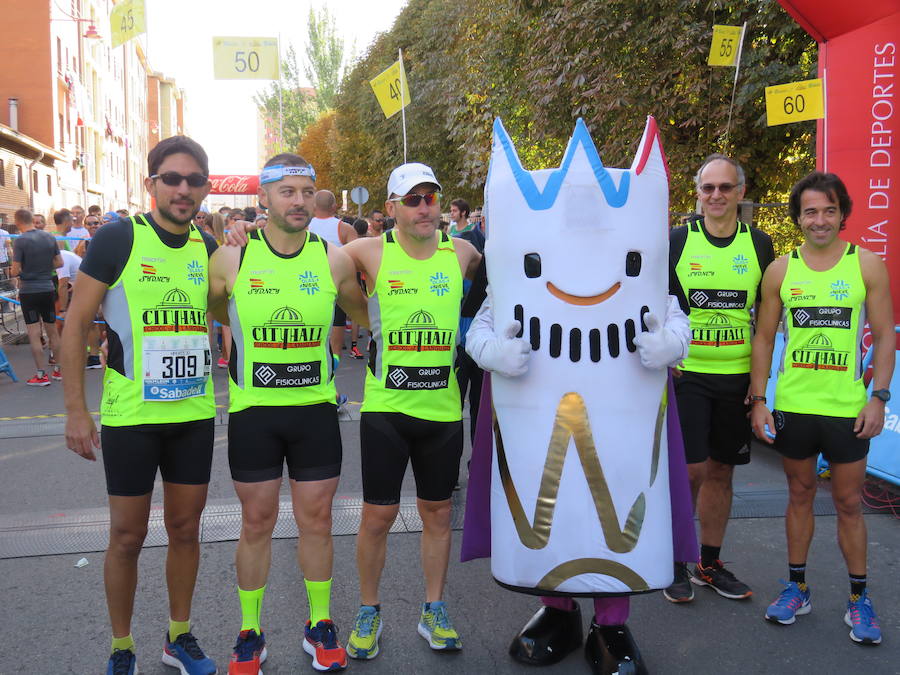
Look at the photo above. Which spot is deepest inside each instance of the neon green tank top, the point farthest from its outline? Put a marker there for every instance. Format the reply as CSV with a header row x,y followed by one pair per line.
x,y
156,312
280,310
720,285
414,316
824,315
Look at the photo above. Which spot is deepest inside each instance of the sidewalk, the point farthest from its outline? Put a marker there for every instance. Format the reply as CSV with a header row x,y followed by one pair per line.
x,y
53,501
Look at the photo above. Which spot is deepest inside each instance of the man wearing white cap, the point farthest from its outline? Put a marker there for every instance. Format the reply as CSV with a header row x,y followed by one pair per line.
x,y
411,409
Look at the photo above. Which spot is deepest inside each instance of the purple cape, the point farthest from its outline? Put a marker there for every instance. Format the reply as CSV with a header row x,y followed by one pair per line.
x,y
476,542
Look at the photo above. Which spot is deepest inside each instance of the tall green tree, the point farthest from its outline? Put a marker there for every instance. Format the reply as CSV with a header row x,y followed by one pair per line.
x,y
324,66
287,104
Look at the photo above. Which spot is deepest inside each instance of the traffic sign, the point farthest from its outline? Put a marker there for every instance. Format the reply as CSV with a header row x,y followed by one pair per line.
x,y
359,195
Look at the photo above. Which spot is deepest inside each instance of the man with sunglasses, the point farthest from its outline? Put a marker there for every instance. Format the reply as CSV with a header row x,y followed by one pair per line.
x,y
411,410
718,264
150,274
278,294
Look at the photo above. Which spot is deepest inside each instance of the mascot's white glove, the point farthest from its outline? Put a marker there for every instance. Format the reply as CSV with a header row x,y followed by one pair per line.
x,y
664,345
504,354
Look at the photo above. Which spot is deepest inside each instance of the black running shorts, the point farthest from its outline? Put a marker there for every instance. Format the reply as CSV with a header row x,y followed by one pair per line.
x,y
713,416
38,307
131,455
800,436
340,317
388,441
261,438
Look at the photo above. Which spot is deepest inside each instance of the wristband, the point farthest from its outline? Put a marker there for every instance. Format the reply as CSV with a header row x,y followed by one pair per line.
x,y
757,399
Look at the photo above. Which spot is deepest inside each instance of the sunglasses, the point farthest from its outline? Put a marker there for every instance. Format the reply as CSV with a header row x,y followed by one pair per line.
x,y
414,200
173,179
724,188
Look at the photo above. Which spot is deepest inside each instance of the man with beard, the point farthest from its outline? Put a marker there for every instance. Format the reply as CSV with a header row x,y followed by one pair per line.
x,y
278,294
157,411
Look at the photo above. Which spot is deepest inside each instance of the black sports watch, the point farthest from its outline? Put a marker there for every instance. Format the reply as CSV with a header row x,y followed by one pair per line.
x,y
883,394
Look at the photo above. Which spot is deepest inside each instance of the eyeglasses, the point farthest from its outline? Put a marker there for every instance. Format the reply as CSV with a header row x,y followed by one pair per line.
x,y
723,188
414,199
173,179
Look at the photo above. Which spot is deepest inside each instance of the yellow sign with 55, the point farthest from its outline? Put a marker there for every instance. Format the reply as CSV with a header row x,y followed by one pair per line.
x,y
245,58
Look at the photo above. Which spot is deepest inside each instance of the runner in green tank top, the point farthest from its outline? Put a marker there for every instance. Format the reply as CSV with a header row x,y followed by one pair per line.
x,y
411,410
824,291
278,294
150,274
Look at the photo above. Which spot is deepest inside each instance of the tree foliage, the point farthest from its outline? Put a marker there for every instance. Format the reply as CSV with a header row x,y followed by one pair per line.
x,y
316,148
287,104
324,65
541,64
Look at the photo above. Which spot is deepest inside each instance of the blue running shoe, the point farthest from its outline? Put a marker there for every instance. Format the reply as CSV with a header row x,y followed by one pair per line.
x,y
186,655
789,603
122,662
861,618
436,628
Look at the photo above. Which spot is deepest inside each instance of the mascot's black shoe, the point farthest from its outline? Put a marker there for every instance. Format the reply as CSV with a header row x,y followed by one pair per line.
x,y
611,650
548,637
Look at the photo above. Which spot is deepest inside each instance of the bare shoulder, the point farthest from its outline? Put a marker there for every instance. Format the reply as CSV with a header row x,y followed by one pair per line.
x,y
871,262
226,256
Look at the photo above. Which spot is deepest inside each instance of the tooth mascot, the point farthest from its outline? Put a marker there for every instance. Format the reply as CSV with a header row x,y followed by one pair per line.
x,y
587,479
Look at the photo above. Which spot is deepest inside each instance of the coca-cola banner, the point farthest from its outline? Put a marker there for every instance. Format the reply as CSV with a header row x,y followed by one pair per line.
x,y
233,184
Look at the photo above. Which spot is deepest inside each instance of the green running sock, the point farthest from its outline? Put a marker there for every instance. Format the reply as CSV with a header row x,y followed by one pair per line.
x,y
251,608
126,642
319,595
177,628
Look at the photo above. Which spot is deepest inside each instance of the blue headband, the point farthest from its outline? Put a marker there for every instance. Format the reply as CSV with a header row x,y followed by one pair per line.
x,y
275,173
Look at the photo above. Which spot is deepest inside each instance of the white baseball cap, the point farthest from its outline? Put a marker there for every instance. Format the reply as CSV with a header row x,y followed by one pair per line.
x,y
406,176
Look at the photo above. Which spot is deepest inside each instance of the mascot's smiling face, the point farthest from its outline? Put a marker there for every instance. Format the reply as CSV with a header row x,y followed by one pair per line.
x,y
583,244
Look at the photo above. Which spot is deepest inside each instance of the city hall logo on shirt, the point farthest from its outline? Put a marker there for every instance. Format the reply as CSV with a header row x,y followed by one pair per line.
x,y
149,274
740,264
285,329
174,314
195,272
399,287
309,282
822,317
718,332
420,333
258,287
840,290
819,354
440,284
712,298
696,270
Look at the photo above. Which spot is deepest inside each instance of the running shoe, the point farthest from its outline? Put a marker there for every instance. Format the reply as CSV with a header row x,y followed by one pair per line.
x,y
355,353
56,374
435,627
680,590
721,581
93,362
249,653
322,644
363,640
862,620
222,363
341,401
789,603
186,655
122,662
39,380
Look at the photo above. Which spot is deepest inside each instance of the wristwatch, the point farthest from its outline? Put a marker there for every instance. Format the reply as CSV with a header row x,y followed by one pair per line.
x,y
883,394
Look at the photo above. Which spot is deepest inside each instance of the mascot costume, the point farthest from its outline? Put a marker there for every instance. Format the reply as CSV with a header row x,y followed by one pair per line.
x,y
586,488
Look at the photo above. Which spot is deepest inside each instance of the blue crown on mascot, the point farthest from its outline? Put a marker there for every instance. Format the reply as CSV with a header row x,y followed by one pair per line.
x,y
579,254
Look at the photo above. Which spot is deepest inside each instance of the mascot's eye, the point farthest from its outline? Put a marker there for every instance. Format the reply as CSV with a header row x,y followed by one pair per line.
x,y
632,264
533,265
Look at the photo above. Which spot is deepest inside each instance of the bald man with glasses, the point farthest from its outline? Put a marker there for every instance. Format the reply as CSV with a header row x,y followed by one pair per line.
x,y
716,266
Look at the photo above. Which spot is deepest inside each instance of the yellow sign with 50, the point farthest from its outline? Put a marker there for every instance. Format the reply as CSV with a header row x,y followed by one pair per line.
x,y
245,58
